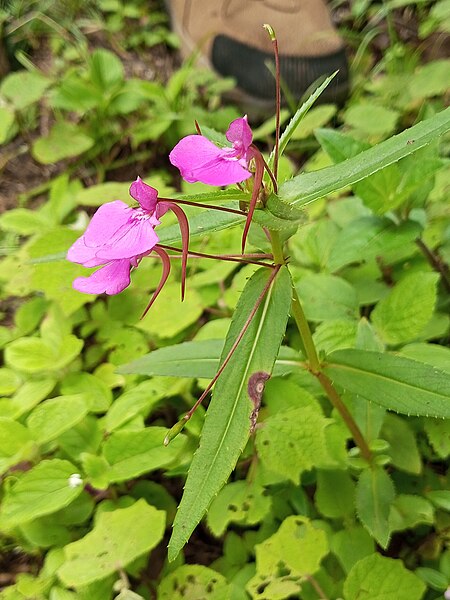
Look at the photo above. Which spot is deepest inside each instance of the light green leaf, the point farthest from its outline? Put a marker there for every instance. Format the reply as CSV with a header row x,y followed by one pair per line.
x,y
350,545
372,119
307,187
191,582
237,502
24,221
227,424
106,70
327,297
433,578
402,315
173,314
43,490
95,392
24,88
197,359
440,498
438,432
86,436
317,117
118,538
64,141
432,354
335,334
30,394
367,238
397,383
53,417
9,382
380,578
374,495
331,504
36,355
132,453
429,80
102,193
286,558
55,278
407,511
402,444
293,441
137,401
15,443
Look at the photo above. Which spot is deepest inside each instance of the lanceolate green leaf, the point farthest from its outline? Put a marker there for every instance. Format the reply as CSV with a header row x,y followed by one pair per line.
x,y
227,424
374,495
297,118
198,359
307,187
401,384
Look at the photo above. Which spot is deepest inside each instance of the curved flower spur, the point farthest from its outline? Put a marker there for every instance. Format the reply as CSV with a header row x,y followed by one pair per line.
x,y
119,236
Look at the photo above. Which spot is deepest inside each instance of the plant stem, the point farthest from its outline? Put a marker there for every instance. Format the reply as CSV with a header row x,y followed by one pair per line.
x,y
305,333
436,262
336,401
316,369
277,248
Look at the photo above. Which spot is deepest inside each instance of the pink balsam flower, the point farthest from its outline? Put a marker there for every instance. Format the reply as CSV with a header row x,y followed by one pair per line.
x,y
198,159
117,237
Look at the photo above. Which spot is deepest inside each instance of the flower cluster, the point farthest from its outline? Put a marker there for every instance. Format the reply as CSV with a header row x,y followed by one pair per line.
x,y
119,236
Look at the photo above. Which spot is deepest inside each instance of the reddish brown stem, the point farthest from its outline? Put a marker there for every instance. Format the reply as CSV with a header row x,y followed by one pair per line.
x,y
278,107
257,182
228,257
200,205
165,274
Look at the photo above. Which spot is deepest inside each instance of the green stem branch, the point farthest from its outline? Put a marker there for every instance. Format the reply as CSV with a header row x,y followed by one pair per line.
x,y
316,369
336,401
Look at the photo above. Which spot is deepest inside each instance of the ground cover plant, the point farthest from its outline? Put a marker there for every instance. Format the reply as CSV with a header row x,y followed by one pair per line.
x,y
319,293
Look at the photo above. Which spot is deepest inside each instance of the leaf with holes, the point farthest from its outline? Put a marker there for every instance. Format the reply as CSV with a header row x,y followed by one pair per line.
x,y
118,538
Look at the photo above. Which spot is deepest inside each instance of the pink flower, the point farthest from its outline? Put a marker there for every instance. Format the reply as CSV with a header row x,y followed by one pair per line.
x,y
198,159
117,237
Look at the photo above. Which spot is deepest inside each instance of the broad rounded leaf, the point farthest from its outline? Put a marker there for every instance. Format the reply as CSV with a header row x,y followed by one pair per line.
x,y
118,537
64,141
41,491
53,417
380,578
191,582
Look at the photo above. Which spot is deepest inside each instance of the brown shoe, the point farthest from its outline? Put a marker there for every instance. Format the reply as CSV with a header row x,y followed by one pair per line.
x,y
233,42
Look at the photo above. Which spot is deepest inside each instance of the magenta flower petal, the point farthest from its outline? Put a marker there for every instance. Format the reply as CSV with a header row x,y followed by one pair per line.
x,y
111,279
82,254
135,238
145,194
200,160
106,221
240,134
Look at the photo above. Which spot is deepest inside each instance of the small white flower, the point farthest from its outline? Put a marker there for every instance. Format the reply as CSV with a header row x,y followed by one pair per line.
x,y
75,480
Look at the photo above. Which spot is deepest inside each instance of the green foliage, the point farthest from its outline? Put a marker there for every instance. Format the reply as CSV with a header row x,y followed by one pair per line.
x,y
89,392
116,540
285,559
385,578
228,424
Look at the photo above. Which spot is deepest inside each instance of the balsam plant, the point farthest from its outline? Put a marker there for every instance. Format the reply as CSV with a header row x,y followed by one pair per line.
x,y
313,363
